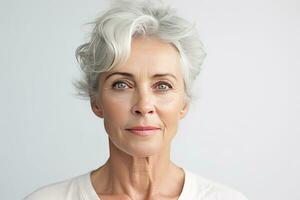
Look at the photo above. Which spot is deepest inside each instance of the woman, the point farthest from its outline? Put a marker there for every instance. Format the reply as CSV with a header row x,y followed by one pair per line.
x,y
138,69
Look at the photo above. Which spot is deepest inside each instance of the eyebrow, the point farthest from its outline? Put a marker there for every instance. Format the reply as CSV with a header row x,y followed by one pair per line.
x,y
131,75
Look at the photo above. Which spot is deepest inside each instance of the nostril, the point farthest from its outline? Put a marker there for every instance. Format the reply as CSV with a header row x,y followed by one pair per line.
x,y
139,112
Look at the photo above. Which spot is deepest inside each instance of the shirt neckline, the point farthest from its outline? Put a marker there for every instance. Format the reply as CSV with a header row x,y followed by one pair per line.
x,y
88,192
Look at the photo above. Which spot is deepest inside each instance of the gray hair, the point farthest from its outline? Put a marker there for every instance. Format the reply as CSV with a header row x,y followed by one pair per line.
x,y
110,41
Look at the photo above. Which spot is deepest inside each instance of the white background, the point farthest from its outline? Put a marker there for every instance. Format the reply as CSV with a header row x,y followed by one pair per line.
x,y
243,130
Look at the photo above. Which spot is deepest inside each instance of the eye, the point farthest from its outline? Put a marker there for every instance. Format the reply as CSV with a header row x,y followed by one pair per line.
x,y
164,86
119,85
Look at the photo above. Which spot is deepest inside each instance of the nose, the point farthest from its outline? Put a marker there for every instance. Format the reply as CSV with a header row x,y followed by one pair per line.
x,y
144,105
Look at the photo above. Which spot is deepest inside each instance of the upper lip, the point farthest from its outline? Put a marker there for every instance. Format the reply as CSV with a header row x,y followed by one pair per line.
x,y
143,128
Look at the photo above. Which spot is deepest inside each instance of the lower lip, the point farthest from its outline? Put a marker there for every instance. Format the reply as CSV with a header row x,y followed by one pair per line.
x,y
144,132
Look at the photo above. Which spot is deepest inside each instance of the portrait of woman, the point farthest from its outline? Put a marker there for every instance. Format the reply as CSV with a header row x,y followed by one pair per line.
x,y
138,68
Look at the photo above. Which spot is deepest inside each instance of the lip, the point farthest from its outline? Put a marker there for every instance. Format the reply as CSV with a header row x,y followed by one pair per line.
x,y
143,130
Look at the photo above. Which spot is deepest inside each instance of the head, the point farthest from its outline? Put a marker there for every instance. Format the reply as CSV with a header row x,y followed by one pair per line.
x,y
138,68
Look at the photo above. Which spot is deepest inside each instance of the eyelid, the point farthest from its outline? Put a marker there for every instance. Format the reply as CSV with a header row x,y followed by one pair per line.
x,y
120,81
170,85
164,83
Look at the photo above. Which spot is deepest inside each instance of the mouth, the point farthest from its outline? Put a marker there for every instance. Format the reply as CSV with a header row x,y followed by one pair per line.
x,y
143,131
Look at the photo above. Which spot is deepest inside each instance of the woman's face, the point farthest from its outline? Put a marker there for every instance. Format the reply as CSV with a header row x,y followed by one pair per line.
x,y
148,90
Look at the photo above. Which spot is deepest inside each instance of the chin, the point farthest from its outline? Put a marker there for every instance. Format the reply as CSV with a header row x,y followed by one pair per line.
x,y
144,154
143,150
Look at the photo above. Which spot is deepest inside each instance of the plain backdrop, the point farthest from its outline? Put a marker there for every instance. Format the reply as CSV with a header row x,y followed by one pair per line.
x,y
242,131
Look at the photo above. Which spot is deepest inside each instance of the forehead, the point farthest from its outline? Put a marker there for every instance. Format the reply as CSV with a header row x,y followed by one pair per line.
x,y
151,55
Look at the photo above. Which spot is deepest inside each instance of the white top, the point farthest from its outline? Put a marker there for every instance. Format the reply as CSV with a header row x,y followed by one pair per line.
x,y
81,188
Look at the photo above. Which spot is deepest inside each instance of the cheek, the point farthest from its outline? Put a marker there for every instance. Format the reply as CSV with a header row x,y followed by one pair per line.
x,y
170,104
117,106
116,110
168,112
169,109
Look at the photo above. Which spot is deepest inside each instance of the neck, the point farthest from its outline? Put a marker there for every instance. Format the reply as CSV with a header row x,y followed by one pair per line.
x,y
140,177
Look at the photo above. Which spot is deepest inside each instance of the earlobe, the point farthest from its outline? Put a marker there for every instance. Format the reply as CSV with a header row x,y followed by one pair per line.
x,y
96,108
184,109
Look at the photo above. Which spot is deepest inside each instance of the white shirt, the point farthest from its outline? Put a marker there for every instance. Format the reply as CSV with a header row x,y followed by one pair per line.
x,y
81,188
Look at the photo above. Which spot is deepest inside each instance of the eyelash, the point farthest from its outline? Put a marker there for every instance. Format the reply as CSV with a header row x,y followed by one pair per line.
x,y
159,83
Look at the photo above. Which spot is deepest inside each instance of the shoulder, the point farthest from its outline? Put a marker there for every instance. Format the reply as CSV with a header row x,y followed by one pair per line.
x,y
210,190
61,190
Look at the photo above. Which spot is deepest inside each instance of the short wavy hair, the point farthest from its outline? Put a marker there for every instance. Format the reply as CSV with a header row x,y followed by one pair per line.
x,y
110,41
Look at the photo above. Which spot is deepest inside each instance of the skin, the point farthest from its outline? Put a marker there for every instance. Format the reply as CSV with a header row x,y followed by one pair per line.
x,y
139,167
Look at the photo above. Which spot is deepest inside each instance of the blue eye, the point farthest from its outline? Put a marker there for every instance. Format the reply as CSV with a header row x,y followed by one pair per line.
x,y
163,86
119,85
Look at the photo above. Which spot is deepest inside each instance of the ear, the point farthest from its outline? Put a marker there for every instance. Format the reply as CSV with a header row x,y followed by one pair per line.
x,y
96,107
184,109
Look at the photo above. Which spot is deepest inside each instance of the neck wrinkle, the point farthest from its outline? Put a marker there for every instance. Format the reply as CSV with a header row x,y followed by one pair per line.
x,y
137,177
